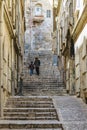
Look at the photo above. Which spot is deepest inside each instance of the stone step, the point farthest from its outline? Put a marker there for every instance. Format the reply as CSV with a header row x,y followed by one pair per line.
x,y
42,81
39,92
29,110
44,93
10,113
48,78
29,102
30,114
30,98
41,85
31,105
29,118
59,87
23,124
45,89
53,77
39,82
35,129
41,89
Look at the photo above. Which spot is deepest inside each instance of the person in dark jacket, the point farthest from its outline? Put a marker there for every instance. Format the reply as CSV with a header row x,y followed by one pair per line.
x,y
37,65
31,68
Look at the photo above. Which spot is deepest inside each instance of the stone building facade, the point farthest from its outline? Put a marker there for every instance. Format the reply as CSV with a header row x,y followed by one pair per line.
x,y
71,44
11,46
39,24
80,36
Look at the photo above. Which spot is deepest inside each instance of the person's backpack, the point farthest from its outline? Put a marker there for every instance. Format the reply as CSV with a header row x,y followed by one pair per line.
x,y
31,66
37,63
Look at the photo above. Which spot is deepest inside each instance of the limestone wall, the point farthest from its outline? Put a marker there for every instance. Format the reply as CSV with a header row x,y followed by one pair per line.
x,y
81,67
38,34
11,47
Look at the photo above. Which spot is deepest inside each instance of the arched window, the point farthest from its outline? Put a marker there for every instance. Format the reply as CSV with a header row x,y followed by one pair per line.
x,y
38,9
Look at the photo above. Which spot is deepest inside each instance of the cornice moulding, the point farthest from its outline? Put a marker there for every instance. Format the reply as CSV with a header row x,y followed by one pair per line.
x,y
80,24
8,20
59,4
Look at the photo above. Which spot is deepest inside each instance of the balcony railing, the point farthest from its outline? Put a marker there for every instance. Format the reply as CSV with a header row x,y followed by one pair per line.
x,y
38,18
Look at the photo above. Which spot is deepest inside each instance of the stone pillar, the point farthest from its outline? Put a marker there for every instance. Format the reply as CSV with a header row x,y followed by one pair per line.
x,y
72,77
77,73
67,75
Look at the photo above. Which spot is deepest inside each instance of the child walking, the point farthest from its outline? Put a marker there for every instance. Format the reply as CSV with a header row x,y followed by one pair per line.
x,y
31,68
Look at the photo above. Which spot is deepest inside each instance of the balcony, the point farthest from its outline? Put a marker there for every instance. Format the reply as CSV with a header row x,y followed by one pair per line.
x,y
38,18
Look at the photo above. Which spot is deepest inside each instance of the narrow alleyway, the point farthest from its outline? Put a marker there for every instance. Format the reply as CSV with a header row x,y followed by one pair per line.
x,y
53,31
45,104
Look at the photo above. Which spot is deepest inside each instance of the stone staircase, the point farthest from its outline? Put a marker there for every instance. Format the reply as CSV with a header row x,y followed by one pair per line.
x,y
49,82
35,110
38,86
30,113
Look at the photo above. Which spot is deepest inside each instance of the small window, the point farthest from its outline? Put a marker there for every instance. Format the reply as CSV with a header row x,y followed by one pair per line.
x,y
48,13
38,10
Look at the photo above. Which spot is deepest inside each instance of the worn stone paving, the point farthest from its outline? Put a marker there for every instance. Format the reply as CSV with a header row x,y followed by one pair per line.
x,y
72,112
32,129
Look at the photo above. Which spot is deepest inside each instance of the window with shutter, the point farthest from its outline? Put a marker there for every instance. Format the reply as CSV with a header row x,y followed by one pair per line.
x,y
48,13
